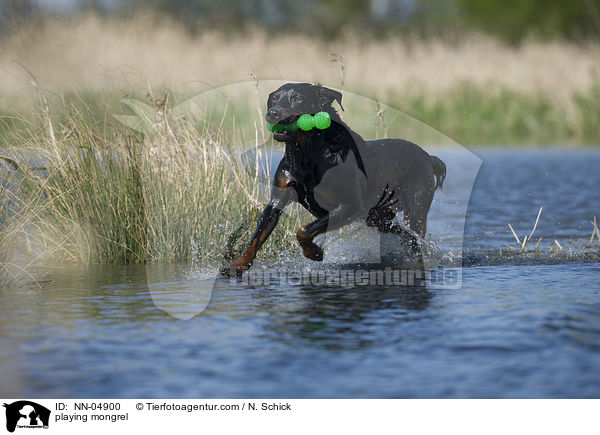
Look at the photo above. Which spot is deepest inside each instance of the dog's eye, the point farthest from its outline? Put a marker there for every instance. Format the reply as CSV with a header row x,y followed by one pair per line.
x,y
275,97
298,99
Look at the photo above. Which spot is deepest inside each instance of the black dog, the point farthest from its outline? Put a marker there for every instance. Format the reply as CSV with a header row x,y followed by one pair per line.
x,y
339,177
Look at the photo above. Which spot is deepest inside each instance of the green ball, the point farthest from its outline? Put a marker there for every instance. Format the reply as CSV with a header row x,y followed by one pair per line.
x,y
322,120
291,127
269,126
306,122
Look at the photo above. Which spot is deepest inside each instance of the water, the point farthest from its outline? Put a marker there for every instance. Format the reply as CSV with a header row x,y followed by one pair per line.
x,y
514,329
513,185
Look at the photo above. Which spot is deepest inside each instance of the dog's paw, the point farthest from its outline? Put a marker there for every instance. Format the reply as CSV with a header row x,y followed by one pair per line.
x,y
234,270
312,251
226,272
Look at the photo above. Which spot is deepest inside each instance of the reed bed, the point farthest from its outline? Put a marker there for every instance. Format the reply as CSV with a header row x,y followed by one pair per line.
x,y
90,52
100,193
7,228
471,87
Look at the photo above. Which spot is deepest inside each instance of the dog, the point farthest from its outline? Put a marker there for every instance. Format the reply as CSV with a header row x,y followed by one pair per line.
x,y
339,177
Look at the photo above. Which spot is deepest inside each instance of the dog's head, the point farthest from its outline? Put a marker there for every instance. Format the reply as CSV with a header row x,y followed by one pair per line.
x,y
286,104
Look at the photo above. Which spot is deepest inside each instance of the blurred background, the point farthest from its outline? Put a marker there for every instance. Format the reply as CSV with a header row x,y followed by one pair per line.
x,y
510,20
484,72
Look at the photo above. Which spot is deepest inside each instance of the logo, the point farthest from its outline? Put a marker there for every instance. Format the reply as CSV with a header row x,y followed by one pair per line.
x,y
26,414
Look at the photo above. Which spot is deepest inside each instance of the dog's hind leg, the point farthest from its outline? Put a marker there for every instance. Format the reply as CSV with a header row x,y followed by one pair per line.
x,y
416,208
383,217
385,222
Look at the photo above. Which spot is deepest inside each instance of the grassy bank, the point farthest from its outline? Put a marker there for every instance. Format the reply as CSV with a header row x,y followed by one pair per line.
x,y
97,192
470,115
477,116
471,87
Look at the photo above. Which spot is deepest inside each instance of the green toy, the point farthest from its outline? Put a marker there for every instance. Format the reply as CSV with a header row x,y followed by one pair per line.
x,y
305,122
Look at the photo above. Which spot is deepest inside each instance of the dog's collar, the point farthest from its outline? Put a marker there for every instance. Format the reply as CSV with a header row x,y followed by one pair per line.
x,y
305,122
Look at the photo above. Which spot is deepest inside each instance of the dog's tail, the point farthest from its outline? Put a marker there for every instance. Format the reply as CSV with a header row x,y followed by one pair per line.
x,y
439,170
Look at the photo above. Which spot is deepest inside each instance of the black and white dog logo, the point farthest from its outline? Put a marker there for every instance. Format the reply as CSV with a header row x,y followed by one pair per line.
x,y
26,414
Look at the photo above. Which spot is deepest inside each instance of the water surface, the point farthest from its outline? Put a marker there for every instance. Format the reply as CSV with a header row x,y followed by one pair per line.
x,y
511,330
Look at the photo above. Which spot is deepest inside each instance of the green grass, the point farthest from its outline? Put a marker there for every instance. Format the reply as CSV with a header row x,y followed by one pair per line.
x,y
588,110
6,200
473,116
470,115
110,195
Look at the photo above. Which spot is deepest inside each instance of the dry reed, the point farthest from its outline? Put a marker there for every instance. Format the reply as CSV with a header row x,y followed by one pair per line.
x,y
88,52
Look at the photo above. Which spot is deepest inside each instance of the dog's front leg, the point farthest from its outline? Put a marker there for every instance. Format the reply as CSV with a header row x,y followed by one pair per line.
x,y
337,218
267,222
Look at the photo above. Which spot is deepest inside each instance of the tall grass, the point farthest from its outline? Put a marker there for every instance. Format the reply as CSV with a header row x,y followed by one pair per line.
x,y
89,52
6,205
588,119
477,116
20,204
473,88
106,195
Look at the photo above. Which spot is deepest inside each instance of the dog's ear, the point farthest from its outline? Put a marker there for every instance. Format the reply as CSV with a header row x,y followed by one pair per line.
x,y
328,96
